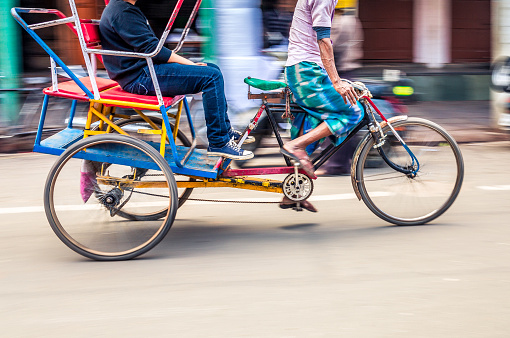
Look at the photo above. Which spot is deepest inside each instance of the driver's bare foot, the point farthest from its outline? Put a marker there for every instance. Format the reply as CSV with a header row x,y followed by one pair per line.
x,y
288,204
301,155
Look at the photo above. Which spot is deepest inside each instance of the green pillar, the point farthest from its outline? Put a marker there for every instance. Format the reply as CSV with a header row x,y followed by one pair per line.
x,y
207,29
9,63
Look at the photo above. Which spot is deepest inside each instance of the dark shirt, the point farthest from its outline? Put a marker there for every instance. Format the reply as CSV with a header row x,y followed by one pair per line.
x,y
125,28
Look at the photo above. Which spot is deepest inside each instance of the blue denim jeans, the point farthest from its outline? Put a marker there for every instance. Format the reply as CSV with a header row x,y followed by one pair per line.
x,y
176,79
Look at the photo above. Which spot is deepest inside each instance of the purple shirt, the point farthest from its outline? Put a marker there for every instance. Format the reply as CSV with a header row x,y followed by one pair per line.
x,y
303,44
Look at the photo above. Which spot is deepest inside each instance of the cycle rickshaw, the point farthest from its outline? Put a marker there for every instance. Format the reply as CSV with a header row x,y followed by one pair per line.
x,y
143,167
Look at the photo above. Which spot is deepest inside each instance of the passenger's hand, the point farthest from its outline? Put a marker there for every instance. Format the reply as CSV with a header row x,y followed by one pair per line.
x,y
200,64
347,91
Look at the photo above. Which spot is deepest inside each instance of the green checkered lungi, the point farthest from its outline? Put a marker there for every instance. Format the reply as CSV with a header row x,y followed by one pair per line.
x,y
314,92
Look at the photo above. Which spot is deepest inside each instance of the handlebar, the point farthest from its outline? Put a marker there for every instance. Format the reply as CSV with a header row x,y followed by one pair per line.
x,y
357,85
360,87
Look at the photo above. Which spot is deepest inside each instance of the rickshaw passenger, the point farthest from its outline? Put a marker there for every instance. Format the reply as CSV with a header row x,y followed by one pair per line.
x,y
311,75
124,27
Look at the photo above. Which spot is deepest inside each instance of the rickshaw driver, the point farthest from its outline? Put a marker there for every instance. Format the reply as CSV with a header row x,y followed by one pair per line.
x,y
124,27
310,73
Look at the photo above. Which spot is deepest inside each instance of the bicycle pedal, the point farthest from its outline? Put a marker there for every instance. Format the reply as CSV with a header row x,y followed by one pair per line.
x,y
297,207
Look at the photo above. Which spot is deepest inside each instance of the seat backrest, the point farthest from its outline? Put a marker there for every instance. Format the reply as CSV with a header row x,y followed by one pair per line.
x,y
91,33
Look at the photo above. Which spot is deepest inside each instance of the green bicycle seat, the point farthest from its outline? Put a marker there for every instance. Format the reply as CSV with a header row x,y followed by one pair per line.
x,y
263,84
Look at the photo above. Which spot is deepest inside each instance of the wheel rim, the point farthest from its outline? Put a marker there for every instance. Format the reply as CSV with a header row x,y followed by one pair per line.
x,y
89,227
400,199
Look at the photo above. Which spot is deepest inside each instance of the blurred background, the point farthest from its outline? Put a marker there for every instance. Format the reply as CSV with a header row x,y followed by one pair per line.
x,y
443,48
246,270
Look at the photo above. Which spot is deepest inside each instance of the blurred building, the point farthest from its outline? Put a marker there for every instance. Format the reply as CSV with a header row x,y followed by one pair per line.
x,y
431,32
500,102
432,37
65,43
59,38
445,46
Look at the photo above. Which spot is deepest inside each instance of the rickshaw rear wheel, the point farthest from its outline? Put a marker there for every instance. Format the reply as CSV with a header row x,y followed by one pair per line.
x,y
82,204
128,125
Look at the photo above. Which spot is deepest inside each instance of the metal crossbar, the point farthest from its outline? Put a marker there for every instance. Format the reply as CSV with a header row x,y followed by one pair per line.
x,y
51,23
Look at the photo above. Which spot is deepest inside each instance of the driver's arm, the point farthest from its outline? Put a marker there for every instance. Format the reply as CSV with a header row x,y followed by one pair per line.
x,y
328,60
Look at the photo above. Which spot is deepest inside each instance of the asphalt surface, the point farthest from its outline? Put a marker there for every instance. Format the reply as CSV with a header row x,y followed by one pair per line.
x,y
248,270
466,121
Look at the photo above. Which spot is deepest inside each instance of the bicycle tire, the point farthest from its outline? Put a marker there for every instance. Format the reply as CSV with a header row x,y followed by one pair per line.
x,y
428,192
89,228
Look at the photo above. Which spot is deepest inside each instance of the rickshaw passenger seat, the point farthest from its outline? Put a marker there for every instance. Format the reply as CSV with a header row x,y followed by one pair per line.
x,y
108,89
71,90
124,98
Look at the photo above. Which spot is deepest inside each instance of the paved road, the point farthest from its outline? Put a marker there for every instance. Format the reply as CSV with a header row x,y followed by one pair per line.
x,y
257,271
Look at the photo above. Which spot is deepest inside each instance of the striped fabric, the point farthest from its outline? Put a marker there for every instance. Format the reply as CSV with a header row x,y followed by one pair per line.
x,y
314,92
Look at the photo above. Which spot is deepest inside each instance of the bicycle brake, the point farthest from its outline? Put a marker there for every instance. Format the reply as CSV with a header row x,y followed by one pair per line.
x,y
377,134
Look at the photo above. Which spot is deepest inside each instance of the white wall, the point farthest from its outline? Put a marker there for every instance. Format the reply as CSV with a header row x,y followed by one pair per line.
x,y
501,24
432,32
500,47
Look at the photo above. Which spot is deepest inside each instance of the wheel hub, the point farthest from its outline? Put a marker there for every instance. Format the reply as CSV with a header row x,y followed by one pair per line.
x,y
112,198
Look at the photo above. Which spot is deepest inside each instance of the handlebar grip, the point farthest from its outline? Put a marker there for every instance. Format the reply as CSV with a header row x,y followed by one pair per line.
x,y
359,86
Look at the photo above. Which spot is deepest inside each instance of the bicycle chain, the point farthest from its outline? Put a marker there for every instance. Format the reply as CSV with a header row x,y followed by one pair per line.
x,y
226,201
200,199
205,200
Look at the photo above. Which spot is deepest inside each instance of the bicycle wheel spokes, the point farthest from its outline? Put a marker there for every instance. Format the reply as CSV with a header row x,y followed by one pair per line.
x,y
400,198
137,123
87,201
